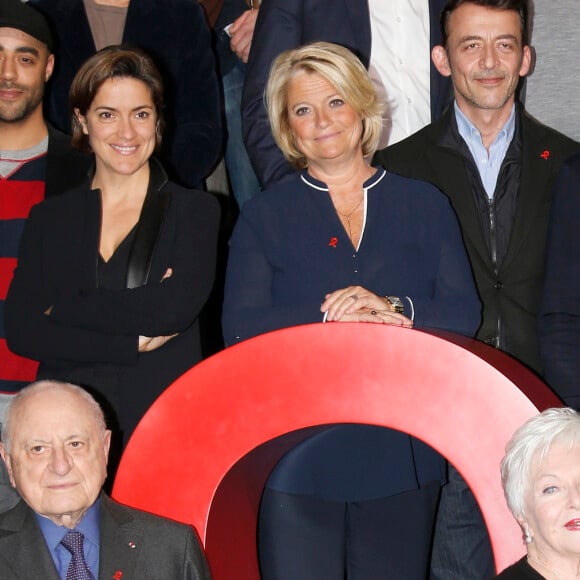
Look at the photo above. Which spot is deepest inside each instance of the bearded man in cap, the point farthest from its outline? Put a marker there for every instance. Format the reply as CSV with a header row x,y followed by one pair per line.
x,y
36,161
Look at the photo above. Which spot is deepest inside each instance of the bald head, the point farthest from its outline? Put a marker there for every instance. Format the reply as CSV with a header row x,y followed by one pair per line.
x,y
40,387
55,447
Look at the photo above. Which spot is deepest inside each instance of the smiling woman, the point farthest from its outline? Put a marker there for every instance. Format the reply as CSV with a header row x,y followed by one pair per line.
x,y
541,480
120,125
112,276
344,242
122,135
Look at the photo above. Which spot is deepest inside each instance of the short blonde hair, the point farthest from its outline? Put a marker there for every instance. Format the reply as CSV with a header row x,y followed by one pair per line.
x,y
340,67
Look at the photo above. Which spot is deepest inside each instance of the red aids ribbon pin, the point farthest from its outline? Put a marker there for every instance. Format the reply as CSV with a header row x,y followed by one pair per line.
x,y
545,155
333,242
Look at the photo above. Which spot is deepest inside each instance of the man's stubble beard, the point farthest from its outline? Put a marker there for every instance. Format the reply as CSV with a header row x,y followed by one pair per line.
x,y
21,109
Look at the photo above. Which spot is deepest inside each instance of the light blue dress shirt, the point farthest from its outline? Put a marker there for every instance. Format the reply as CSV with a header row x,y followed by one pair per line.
x,y
89,526
488,163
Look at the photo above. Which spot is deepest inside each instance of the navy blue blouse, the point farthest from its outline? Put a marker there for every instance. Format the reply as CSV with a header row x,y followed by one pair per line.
x,y
289,249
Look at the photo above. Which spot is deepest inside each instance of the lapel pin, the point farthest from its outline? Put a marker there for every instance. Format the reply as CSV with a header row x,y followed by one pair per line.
x,y
545,154
118,575
333,242
132,545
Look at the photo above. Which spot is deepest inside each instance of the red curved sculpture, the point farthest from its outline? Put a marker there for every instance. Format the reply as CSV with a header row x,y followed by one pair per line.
x,y
203,452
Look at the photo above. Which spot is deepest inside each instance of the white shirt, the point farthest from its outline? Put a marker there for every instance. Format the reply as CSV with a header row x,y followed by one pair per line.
x,y
400,63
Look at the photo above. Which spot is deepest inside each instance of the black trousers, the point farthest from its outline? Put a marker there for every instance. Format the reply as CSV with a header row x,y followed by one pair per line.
x,y
306,538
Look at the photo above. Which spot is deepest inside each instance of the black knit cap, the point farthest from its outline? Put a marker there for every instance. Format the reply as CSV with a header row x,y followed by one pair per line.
x,y
17,14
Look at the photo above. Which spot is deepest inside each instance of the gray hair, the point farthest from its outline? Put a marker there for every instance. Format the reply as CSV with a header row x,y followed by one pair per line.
x,y
534,439
15,404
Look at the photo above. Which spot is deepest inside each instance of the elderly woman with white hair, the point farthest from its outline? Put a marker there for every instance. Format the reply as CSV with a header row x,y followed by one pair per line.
x,y
541,479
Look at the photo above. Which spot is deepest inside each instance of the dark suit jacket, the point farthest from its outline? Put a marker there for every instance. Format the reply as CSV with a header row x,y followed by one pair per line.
x,y
163,549
513,294
287,24
90,338
175,34
65,167
559,323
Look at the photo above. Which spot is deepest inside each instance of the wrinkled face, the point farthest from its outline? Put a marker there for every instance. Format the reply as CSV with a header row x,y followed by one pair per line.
x,y
552,503
58,457
25,66
121,124
325,127
484,57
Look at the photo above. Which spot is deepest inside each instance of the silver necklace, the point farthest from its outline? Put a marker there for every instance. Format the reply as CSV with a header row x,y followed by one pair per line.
x,y
349,215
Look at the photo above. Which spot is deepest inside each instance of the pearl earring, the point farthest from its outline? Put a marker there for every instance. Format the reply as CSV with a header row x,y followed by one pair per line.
x,y
528,537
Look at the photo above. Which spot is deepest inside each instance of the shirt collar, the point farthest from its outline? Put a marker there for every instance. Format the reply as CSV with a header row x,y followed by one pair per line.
x,y
88,526
321,186
468,130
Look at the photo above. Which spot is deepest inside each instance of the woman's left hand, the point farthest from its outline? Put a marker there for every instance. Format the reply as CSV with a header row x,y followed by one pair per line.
x,y
357,304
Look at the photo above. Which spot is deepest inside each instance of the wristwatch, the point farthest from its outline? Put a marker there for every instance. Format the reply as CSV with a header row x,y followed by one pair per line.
x,y
396,304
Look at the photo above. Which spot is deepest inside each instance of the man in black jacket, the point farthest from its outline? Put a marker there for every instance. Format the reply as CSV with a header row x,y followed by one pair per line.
x,y
496,165
36,161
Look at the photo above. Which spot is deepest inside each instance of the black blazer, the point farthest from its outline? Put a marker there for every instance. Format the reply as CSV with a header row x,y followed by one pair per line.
x,y
175,34
514,293
559,323
90,337
286,24
138,544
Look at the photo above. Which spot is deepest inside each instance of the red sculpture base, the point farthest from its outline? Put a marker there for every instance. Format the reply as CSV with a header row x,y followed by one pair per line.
x,y
204,450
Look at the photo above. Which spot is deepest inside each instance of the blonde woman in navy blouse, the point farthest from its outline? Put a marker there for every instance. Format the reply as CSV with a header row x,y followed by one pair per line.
x,y
343,241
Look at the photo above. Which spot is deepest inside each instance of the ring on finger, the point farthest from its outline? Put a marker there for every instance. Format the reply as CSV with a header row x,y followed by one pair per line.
x,y
374,312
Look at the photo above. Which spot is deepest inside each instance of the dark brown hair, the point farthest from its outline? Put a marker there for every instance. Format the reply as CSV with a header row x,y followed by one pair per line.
x,y
113,62
519,6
